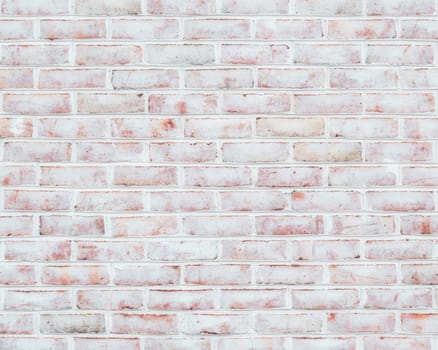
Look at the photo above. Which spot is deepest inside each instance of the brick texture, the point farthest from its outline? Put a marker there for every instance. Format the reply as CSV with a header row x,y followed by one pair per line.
x,y
218,174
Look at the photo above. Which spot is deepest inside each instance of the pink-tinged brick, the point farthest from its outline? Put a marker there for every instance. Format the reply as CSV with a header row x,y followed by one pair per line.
x,y
20,275
324,299
363,78
65,225
37,200
219,78
396,343
328,103
108,7
256,103
398,298
325,343
181,299
421,78
252,200
180,54
289,176
146,275
17,175
175,344
394,152
109,299
71,127
290,127
182,201
216,28
289,225
361,29
288,323
289,274
331,201
12,29
72,323
186,7
421,128
40,343
109,151
145,79
328,8
16,78
360,176
35,300
36,104
109,251
35,8
249,54
143,226
146,127
358,225
68,275
420,274
291,78
182,250
145,176
109,201
37,250
61,29
419,29
324,250
400,103
18,55
16,323
215,324
361,274
333,54
288,29
144,29
73,176
183,103
37,151
15,226
16,127
252,343
424,323
218,274
398,250
254,250
399,54
183,152
71,78
257,7
107,343
255,152
419,225
252,299
355,322
217,226
217,128
400,201
102,103
111,54
327,151
217,176
355,128
400,7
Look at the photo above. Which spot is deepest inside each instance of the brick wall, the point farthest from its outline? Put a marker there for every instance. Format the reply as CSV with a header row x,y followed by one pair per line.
x,y
218,174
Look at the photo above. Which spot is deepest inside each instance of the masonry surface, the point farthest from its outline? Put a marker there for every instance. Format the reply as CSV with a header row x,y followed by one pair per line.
x,y
218,174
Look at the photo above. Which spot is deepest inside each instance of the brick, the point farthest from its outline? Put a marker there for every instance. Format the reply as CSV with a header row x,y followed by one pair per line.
x,y
65,275
250,54
419,274
252,299
108,299
396,342
419,225
390,152
145,176
16,29
182,201
143,226
37,200
16,78
60,29
289,176
254,250
36,104
34,8
182,104
71,127
30,55
16,323
361,29
363,78
386,298
217,226
187,152
72,79
288,323
355,128
19,275
323,299
289,274
16,127
72,323
326,201
89,343
214,29
218,274
400,103
217,176
65,225
107,7
113,54
419,323
15,226
359,176
255,152
361,322
287,29
37,152
327,151
400,7
324,8
296,78
144,29
73,176
363,274
144,323
101,103
109,152
146,127
325,250
35,300
333,54
109,251
252,201
418,29
289,225
218,78
182,250
252,343
320,343
217,128
180,54
145,79
181,299
165,344
327,103
146,275
400,201
109,201
398,250
17,175
22,343
188,7
399,54
37,250
255,7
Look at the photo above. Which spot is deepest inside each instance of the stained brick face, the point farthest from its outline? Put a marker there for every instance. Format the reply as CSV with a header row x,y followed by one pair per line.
x,y
218,174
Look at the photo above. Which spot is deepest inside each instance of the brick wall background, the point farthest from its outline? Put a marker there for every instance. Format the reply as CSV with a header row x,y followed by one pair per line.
x,y
218,174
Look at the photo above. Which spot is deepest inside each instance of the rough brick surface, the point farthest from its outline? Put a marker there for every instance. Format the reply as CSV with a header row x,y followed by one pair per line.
x,y
218,174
